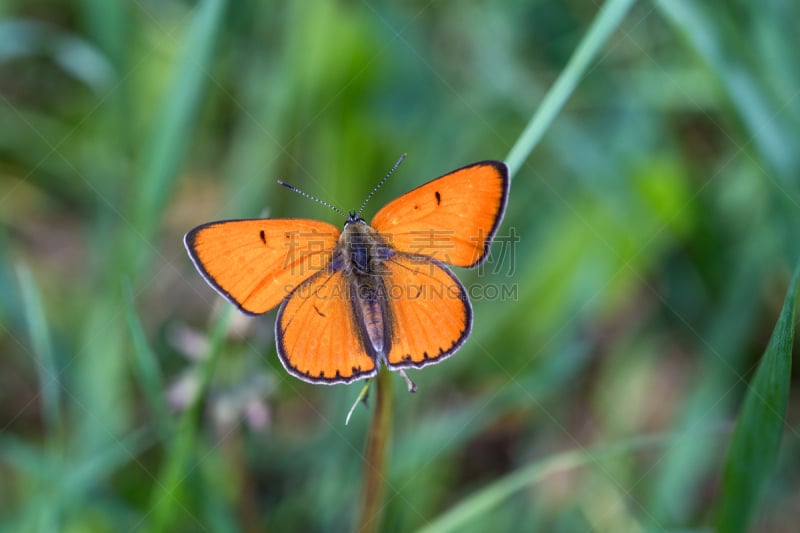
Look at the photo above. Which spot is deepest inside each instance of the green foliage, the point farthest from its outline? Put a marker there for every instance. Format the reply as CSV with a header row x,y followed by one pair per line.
x,y
622,326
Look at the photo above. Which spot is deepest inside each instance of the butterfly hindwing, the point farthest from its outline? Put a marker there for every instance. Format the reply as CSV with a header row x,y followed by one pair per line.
x,y
256,263
316,335
430,312
452,218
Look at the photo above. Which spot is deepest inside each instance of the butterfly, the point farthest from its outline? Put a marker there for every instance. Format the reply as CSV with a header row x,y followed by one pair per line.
x,y
373,294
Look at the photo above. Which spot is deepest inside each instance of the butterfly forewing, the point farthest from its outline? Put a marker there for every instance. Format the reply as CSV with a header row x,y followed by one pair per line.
x,y
316,336
431,315
256,263
452,218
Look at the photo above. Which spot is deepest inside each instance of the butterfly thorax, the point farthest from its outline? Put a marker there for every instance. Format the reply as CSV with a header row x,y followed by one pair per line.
x,y
361,250
361,253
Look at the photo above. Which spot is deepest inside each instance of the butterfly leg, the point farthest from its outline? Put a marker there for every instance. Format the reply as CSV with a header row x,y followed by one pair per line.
x,y
362,398
411,386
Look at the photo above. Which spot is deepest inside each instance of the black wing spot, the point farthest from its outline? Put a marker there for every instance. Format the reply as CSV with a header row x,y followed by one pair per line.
x,y
263,236
407,357
425,355
320,313
416,207
356,369
438,198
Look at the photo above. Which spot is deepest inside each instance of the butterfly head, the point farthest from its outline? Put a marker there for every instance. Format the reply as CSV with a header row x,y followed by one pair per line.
x,y
353,218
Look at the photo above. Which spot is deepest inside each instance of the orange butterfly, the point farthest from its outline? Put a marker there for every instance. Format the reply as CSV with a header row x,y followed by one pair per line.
x,y
373,294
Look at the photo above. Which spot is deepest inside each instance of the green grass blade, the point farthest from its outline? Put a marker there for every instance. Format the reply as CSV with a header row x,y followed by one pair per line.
x,y
607,20
61,485
754,447
42,348
485,499
178,114
701,24
81,478
146,365
165,501
109,25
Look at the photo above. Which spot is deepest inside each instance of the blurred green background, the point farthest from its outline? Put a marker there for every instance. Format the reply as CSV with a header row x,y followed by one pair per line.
x,y
644,258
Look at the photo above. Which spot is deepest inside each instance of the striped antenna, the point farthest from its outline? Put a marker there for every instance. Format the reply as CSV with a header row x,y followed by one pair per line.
x,y
378,186
306,195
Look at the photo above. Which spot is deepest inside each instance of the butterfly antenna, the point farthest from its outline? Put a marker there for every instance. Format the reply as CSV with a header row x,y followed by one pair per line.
x,y
378,186
314,198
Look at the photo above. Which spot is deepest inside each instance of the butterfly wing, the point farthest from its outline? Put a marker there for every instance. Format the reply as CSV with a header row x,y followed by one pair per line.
x,y
256,263
316,334
452,218
431,314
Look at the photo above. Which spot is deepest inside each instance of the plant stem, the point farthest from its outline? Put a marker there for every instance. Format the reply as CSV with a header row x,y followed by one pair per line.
x,y
375,457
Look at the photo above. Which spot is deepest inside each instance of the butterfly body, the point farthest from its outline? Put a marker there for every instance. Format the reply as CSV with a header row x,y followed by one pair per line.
x,y
361,253
373,294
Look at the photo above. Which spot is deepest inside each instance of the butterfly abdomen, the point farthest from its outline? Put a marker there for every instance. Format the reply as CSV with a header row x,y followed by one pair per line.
x,y
371,315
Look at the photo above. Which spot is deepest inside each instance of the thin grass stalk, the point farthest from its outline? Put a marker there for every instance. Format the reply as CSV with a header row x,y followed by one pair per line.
x,y
487,499
607,20
375,457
